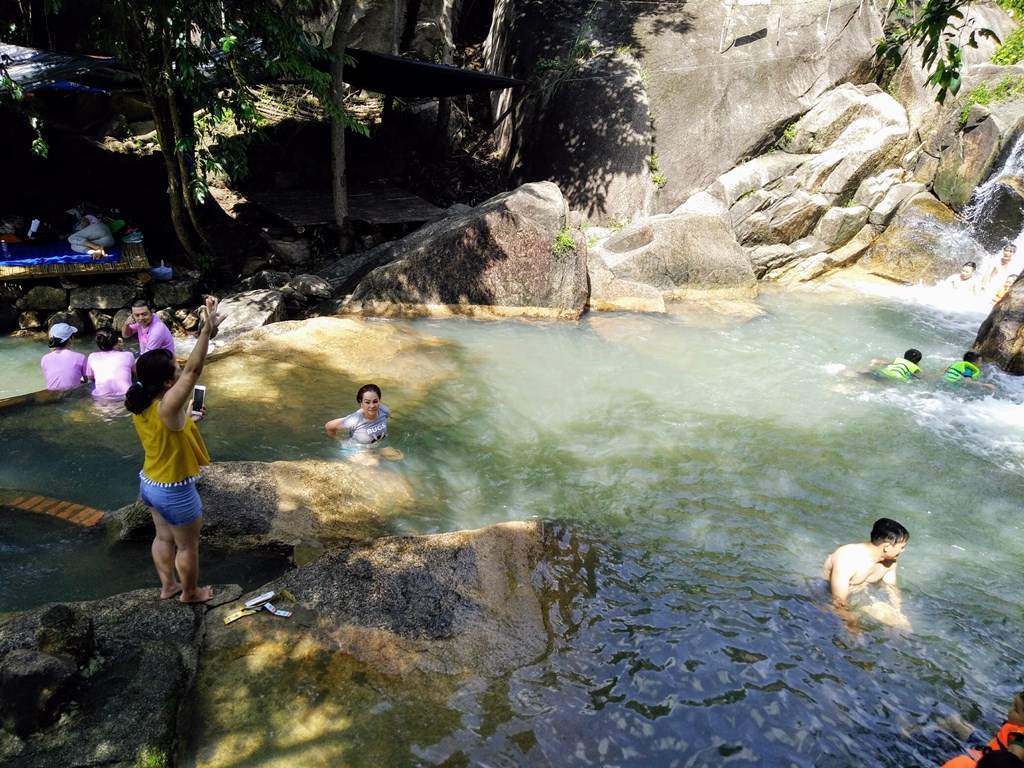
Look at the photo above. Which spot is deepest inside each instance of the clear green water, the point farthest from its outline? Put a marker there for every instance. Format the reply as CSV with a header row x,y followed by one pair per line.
x,y
698,472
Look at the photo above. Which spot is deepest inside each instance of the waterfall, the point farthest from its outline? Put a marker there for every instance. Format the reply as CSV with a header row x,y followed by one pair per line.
x,y
995,212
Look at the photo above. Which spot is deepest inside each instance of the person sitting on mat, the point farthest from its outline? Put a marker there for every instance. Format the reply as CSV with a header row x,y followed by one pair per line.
x,y
91,236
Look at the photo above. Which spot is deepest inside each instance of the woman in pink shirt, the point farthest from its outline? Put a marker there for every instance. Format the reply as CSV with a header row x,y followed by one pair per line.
x,y
62,368
112,368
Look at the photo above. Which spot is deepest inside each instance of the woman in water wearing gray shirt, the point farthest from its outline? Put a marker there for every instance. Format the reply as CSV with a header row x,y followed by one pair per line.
x,y
367,425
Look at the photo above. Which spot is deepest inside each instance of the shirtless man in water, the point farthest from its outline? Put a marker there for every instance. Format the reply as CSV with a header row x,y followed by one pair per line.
x,y
853,566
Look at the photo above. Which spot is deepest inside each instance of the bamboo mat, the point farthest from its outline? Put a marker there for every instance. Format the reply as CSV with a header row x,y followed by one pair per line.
x,y
133,259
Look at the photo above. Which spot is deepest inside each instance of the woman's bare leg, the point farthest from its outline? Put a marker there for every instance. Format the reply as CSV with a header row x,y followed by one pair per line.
x,y
186,561
164,550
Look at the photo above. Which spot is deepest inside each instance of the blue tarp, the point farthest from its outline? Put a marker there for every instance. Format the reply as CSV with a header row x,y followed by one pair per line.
x,y
67,85
33,254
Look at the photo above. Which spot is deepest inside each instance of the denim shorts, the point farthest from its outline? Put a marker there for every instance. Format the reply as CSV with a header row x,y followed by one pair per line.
x,y
178,504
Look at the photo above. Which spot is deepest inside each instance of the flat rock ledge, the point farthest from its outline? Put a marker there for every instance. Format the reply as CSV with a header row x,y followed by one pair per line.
x,y
127,663
375,629
285,506
404,617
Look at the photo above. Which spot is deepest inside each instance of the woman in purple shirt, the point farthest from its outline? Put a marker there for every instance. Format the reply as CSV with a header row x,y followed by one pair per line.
x,y
62,368
112,368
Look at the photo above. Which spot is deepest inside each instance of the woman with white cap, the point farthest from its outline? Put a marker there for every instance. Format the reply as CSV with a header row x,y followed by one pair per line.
x,y
63,368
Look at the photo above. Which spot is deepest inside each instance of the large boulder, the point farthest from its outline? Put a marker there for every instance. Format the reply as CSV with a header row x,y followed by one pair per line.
x,y
43,297
183,290
874,189
684,255
962,152
894,198
245,311
512,256
1000,338
998,215
921,244
910,86
839,225
609,293
756,174
965,156
781,215
310,286
290,250
766,259
820,262
853,133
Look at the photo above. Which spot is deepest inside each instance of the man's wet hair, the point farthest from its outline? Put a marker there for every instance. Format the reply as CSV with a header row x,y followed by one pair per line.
x,y
886,531
998,758
971,264
971,357
1010,247
913,356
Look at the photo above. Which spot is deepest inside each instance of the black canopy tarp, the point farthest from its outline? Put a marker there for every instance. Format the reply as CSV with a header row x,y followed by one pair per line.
x,y
399,76
34,70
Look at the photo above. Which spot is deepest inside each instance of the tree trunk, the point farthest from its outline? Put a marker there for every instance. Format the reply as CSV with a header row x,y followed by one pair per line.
x,y
177,183
339,183
163,105
441,142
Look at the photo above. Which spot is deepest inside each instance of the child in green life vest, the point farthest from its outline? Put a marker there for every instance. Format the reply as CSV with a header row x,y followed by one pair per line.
x,y
902,368
967,371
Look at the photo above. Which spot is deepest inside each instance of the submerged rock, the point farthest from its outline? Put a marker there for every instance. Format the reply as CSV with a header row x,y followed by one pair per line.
x,y
309,504
609,293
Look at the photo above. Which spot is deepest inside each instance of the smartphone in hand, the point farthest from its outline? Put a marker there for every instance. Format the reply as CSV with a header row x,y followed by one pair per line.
x,y
198,398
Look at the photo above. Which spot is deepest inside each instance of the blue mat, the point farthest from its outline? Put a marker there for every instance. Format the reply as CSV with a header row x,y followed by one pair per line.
x,y
34,254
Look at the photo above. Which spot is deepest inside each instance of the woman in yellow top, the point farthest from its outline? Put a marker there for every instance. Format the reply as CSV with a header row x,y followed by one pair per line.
x,y
159,401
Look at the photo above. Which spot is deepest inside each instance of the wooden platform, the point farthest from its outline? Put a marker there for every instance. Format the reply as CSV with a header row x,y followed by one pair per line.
x,y
133,259
79,514
35,398
376,204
